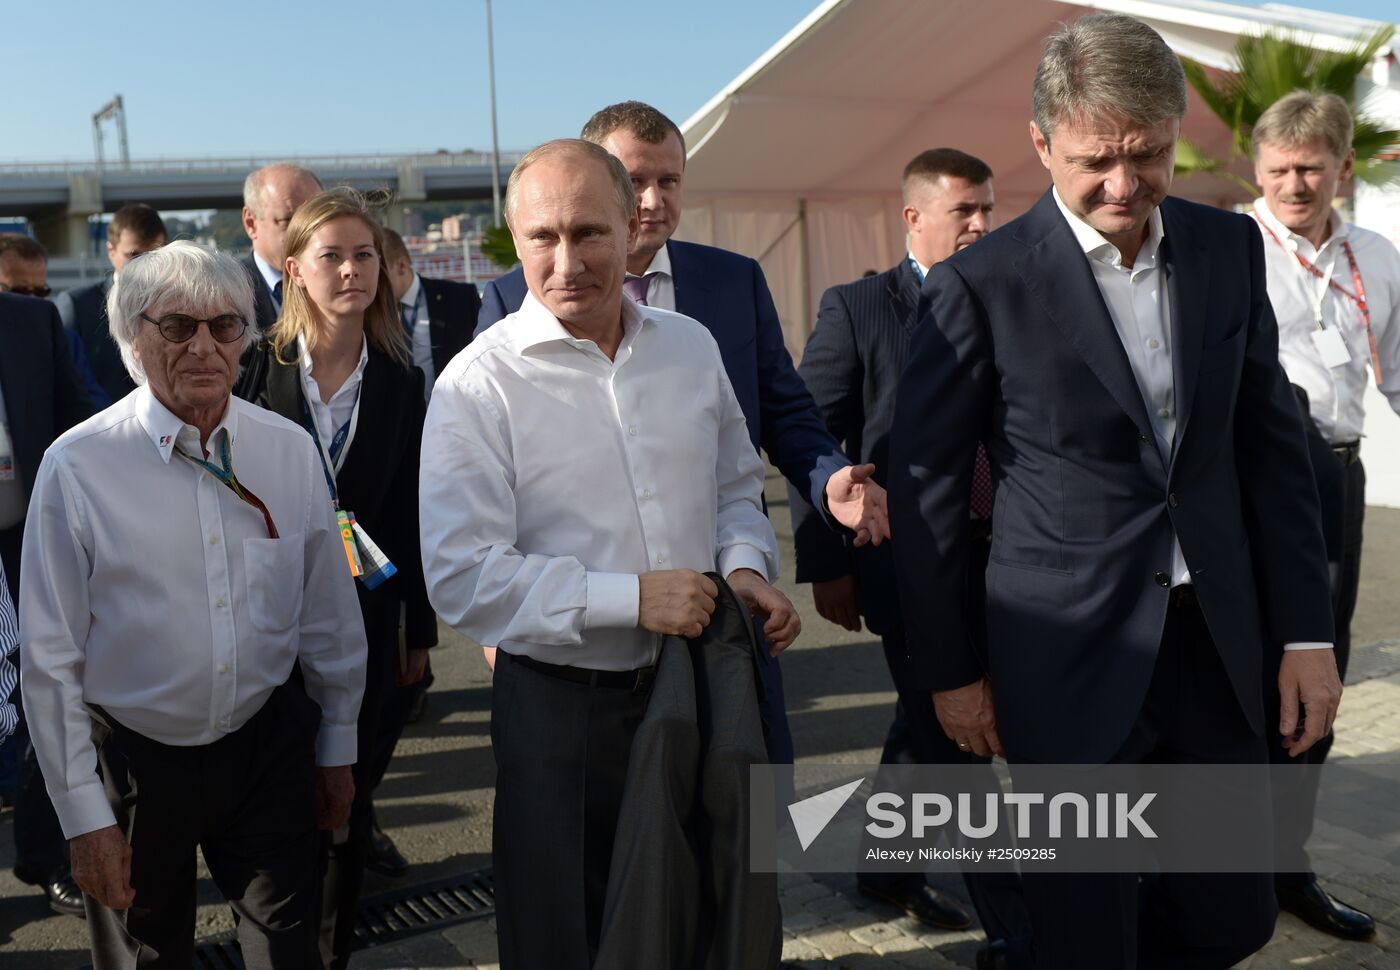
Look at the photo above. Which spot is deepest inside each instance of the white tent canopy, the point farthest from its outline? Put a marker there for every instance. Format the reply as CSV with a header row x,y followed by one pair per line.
x,y
797,161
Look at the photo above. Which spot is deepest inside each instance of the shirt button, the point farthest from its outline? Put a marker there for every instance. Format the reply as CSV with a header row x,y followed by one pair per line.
x,y
1154,343
1164,412
223,668
1171,500
219,602
1162,579
661,560
213,540
632,431
646,493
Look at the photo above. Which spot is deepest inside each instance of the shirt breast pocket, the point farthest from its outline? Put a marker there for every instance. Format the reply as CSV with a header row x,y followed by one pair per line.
x,y
275,579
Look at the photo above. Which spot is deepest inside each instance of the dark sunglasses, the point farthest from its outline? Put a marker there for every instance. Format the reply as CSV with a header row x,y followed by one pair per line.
x,y
179,327
42,292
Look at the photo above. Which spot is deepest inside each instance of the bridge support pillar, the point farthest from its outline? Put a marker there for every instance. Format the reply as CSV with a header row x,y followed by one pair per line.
x,y
68,232
410,189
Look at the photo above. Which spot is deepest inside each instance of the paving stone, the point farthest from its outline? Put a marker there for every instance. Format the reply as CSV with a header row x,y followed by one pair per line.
x,y
899,943
876,933
803,921
800,949
804,893
837,943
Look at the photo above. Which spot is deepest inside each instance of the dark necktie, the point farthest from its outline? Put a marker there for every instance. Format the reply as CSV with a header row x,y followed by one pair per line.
x,y
981,485
409,315
277,294
636,288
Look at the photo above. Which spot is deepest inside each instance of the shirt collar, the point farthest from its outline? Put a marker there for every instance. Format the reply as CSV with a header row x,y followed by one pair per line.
x,y
535,326
1290,239
1096,247
919,267
660,263
166,430
304,359
410,296
270,273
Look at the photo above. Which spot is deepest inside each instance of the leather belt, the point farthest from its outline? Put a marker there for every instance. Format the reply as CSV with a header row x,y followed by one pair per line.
x,y
633,680
1348,453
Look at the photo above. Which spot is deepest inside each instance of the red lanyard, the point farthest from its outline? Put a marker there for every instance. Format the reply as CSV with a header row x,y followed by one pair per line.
x,y
1359,297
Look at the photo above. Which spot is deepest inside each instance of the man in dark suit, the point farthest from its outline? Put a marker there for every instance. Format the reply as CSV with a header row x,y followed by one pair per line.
x,y
270,195
1156,529
728,294
439,316
852,365
135,229
41,396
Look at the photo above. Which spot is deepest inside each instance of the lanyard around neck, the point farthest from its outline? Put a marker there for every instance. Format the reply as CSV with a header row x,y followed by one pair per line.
x,y
226,476
1359,297
332,454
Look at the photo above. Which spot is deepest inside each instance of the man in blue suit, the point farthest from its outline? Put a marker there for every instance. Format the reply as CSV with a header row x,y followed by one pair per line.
x,y
1156,536
728,294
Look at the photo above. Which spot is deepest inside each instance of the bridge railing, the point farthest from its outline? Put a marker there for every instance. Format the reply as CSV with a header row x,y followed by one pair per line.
x,y
228,163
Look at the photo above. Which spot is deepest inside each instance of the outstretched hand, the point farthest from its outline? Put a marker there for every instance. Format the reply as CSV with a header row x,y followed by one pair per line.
x,y
858,503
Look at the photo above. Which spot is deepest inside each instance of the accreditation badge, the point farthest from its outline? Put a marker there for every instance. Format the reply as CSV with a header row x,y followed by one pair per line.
x,y
347,537
377,566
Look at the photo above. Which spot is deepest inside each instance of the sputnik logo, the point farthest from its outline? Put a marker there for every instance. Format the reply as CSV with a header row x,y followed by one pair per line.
x,y
811,815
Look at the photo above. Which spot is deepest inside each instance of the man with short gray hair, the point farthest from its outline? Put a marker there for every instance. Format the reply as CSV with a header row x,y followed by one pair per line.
x,y
270,195
1335,289
1155,518
162,619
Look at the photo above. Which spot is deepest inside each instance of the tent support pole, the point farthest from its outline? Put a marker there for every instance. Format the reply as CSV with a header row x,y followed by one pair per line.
x,y
804,268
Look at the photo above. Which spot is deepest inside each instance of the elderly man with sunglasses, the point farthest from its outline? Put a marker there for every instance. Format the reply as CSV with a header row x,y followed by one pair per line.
x,y
181,558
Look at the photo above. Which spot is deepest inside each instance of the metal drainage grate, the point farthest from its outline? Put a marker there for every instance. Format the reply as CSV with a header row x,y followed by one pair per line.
x,y
424,908
387,917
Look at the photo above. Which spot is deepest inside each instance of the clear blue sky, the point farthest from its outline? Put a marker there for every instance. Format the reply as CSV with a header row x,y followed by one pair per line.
x,y
238,78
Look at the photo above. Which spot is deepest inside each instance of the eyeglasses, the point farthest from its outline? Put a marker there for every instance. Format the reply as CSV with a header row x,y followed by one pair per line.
x,y
42,292
180,327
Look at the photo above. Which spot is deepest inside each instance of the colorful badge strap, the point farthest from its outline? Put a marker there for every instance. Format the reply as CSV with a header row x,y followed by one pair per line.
x,y
228,478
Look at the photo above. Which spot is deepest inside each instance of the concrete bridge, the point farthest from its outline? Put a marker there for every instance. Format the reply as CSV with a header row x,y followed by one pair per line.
x,y
59,198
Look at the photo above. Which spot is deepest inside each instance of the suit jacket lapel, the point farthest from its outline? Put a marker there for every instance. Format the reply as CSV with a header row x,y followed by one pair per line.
x,y
1057,272
904,295
1188,283
694,298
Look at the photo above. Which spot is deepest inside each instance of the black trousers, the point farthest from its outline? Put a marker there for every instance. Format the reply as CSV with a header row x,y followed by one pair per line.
x,y
1302,783
343,852
561,753
248,801
1168,921
916,738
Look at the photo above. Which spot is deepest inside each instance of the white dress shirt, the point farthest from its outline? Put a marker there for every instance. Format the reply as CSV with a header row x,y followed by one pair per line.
x,y
552,477
1334,393
661,288
330,416
152,590
271,275
1138,305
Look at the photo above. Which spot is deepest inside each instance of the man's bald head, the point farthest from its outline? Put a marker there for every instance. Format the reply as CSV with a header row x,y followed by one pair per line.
x,y
270,196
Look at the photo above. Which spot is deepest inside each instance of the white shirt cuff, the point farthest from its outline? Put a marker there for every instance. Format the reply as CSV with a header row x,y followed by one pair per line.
x,y
743,557
83,809
1307,645
613,600
335,745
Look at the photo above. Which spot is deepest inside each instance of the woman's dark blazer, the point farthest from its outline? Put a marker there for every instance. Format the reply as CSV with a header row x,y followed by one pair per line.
x,y
378,482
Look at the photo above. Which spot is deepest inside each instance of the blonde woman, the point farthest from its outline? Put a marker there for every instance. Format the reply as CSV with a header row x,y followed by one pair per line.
x,y
336,362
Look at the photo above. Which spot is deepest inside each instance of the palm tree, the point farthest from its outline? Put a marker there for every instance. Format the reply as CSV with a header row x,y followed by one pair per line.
x,y
1268,67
